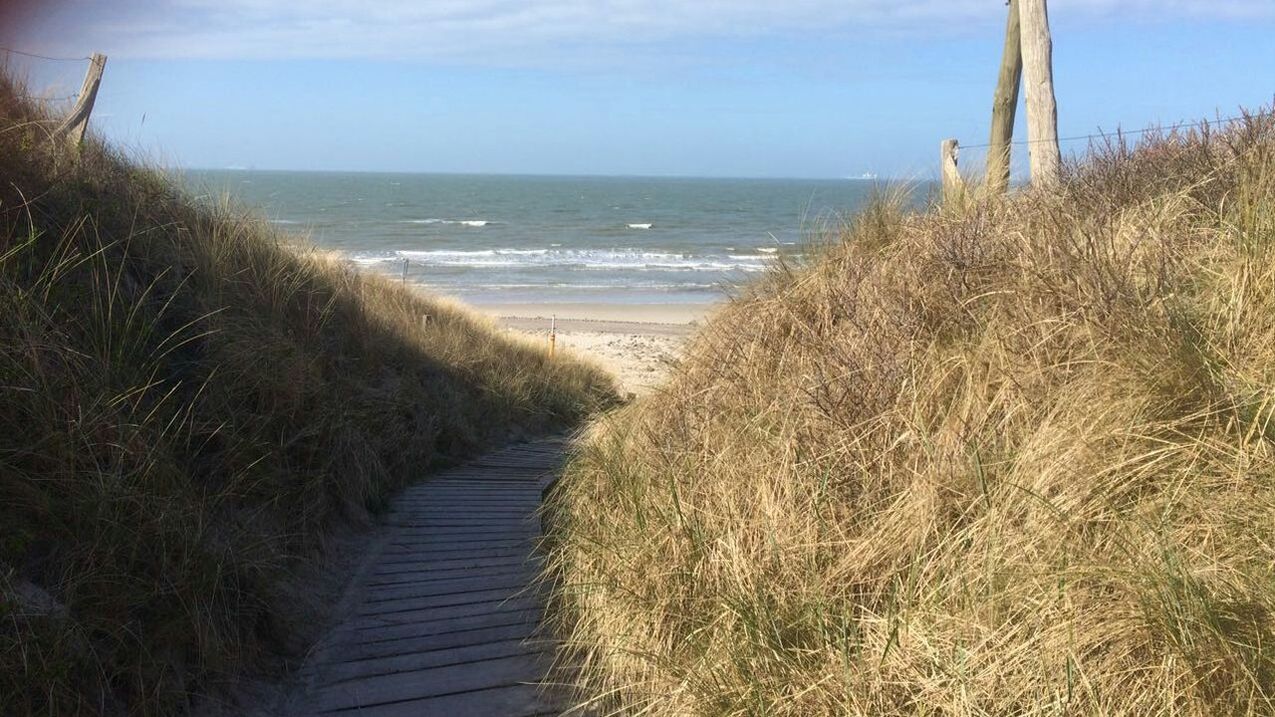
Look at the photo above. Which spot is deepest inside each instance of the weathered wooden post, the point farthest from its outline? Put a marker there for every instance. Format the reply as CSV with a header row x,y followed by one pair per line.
x,y
1005,105
553,334
405,263
77,121
1042,107
953,185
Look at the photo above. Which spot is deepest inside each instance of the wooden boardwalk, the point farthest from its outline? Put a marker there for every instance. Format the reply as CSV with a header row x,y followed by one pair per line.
x,y
444,619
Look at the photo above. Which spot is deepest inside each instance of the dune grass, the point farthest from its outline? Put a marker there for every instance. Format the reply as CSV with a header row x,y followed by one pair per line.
x,y
189,403
1012,458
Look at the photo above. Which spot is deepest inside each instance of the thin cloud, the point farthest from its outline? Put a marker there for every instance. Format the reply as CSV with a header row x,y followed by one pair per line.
x,y
521,32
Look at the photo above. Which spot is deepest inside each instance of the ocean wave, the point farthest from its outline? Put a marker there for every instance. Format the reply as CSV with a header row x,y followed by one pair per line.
x,y
647,225
461,222
576,259
648,286
369,260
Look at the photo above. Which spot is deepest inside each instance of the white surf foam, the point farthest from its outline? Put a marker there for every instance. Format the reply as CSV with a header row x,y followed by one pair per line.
x,y
461,222
620,259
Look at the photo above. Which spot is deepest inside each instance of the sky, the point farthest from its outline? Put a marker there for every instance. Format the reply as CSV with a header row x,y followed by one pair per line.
x,y
747,88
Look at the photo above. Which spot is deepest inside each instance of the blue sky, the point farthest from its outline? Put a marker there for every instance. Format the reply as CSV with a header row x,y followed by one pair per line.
x,y
803,88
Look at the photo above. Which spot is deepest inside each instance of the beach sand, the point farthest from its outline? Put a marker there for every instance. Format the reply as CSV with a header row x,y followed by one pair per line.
x,y
637,343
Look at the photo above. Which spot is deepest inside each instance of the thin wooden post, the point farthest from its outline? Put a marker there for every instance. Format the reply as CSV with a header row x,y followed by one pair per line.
x,y
77,121
953,185
553,334
405,263
1005,105
1042,107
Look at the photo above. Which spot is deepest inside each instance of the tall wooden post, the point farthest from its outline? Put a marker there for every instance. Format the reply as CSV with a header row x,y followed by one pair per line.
x,y
1042,108
953,185
78,120
1004,105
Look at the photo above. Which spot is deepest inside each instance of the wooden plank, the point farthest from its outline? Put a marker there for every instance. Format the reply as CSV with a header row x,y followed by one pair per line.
x,y
522,494
465,550
519,463
418,573
488,484
413,644
424,533
429,545
477,561
525,503
421,531
452,538
470,485
459,536
456,506
449,586
529,501
448,529
435,682
1038,82
417,577
430,519
425,628
411,522
415,522
459,598
434,575
435,614
355,636
473,487
524,489
505,701
428,658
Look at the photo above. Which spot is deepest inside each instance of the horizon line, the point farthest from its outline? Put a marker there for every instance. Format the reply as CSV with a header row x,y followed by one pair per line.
x,y
866,177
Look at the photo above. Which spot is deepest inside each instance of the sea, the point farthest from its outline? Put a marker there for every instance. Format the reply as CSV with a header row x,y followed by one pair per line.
x,y
490,239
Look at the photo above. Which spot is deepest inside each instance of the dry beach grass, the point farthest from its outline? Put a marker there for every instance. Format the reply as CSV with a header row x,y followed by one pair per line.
x,y
190,403
1010,458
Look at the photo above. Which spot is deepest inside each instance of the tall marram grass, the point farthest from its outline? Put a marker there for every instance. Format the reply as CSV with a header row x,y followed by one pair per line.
x,y
188,406
1013,459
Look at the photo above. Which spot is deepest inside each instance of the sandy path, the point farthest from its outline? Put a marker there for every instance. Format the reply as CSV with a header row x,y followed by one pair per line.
x,y
639,353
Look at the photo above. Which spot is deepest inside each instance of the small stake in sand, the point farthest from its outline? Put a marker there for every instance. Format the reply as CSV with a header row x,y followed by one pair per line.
x,y
953,185
405,263
553,333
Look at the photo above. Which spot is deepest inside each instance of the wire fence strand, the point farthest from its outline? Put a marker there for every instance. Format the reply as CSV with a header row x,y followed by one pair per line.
x,y
12,51
1117,133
